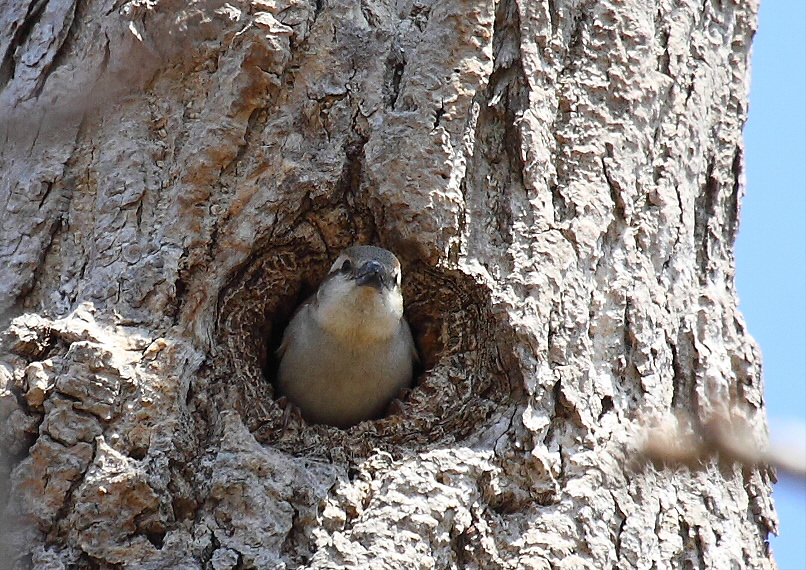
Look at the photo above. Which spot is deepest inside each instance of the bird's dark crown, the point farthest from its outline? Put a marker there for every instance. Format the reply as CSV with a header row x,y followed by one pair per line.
x,y
360,254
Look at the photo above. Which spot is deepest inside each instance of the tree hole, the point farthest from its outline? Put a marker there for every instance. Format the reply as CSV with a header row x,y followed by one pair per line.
x,y
464,349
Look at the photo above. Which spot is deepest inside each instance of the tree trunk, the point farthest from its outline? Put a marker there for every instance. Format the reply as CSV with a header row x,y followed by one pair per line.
x,y
561,181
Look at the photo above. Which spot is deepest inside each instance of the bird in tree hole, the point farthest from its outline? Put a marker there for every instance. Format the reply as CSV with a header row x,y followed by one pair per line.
x,y
348,352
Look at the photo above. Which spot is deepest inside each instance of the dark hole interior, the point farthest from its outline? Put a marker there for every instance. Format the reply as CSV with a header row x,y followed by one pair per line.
x,y
270,363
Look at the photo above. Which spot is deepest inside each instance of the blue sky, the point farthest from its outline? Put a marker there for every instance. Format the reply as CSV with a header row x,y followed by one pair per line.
x,y
771,246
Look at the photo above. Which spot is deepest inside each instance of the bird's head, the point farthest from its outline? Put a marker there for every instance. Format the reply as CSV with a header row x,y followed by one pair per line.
x,y
360,299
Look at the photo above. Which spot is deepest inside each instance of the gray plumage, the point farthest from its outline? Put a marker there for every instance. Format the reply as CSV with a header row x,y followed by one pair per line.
x,y
348,351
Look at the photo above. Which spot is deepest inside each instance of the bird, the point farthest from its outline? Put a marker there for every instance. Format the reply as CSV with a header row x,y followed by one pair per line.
x,y
348,351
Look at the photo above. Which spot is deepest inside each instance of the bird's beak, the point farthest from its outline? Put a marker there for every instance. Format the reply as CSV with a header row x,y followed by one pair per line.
x,y
371,273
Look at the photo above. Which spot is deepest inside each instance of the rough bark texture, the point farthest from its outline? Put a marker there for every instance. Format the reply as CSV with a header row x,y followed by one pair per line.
x,y
561,180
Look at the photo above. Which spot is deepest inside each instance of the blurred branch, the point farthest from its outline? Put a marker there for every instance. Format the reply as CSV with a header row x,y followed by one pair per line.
x,y
722,439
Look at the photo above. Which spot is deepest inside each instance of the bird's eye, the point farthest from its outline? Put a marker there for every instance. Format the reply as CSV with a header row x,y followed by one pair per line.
x,y
346,266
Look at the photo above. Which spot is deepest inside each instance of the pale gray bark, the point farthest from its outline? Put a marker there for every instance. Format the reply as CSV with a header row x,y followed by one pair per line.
x,y
561,181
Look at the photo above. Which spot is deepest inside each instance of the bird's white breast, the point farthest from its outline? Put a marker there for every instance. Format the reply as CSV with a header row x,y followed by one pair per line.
x,y
358,314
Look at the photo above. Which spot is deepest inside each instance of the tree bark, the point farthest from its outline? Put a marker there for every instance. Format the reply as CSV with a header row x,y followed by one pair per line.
x,y
561,180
